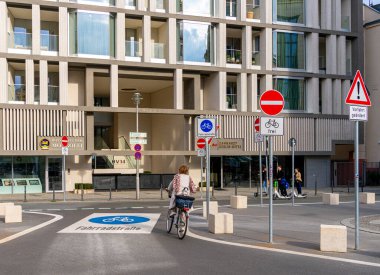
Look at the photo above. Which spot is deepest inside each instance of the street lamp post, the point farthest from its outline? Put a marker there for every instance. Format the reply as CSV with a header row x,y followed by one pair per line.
x,y
137,98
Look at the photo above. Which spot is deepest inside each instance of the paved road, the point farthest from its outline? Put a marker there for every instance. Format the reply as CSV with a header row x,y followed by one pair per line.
x,y
46,252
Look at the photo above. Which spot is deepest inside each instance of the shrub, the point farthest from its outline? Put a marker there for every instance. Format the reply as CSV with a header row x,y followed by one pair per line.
x,y
86,186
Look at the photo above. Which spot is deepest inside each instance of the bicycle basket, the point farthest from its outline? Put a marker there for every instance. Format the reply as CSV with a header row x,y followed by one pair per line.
x,y
184,201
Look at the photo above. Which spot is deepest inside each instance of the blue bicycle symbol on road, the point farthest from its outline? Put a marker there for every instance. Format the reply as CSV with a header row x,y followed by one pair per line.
x,y
122,219
206,126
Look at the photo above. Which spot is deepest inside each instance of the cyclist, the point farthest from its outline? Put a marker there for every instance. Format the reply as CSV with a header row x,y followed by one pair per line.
x,y
281,181
182,184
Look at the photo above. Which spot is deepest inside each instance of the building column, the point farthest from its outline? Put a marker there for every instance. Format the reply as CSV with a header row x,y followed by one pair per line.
x,y
341,55
221,44
120,36
327,96
220,9
120,4
3,26
147,38
266,83
346,85
266,11
241,10
266,51
43,82
252,93
331,54
337,12
171,51
29,81
141,5
152,5
312,95
337,97
247,47
89,88
172,6
90,131
3,79
63,32
312,14
63,82
197,92
242,92
36,29
312,52
114,86
326,14
178,89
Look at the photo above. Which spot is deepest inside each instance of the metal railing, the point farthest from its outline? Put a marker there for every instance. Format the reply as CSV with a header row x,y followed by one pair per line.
x,y
158,50
49,42
19,40
16,92
53,94
346,24
255,58
253,11
233,56
133,48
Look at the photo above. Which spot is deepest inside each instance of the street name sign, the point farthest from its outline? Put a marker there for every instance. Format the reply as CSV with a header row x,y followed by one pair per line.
x,y
137,135
272,126
358,113
272,102
358,94
138,141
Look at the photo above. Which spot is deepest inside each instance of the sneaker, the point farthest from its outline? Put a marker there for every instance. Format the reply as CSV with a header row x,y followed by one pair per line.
x,y
172,213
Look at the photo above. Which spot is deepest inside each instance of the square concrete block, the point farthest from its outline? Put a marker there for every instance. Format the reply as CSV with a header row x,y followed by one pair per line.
x,y
213,208
13,213
216,223
330,198
2,207
238,202
367,198
333,238
228,223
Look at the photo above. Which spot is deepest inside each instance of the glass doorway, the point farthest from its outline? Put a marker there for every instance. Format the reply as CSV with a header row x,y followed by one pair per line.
x,y
54,174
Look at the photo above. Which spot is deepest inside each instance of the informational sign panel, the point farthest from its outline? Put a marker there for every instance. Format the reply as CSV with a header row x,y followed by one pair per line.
x,y
225,144
201,152
358,113
55,143
259,137
206,127
65,151
137,135
138,141
272,126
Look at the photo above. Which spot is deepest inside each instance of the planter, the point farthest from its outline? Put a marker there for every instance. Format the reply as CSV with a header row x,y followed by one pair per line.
x,y
250,15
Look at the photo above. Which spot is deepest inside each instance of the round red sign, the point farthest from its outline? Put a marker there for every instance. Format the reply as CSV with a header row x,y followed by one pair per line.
x,y
257,125
201,143
272,102
65,141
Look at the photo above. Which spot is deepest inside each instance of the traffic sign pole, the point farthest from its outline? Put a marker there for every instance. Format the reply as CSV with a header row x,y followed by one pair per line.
x,y
356,185
64,177
270,186
207,177
292,144
261,175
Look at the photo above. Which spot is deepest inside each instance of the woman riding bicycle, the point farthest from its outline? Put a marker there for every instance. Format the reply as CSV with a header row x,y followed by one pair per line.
x,y
182,184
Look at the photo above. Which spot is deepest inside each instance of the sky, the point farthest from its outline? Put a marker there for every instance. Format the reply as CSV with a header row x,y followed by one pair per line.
x,y
373,1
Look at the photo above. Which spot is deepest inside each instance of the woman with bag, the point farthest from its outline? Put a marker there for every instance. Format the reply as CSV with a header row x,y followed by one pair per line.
x,y
298,181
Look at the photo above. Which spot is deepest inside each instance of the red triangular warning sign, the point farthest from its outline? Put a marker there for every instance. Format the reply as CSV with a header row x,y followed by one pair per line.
x,y
358,94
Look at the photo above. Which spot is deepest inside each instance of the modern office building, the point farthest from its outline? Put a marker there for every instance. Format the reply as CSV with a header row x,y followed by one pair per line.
x,y
70,68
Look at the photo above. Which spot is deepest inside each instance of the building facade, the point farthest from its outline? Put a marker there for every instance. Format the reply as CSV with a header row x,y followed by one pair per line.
x,y
70,68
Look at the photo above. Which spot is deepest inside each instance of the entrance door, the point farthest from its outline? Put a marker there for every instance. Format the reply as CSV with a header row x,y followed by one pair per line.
x,y
54,174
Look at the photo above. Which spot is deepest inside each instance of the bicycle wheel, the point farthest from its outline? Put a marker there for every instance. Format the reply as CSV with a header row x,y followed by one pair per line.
x,y
169,222
182,225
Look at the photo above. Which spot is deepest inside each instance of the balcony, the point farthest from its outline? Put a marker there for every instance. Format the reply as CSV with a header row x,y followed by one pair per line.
x,y
346,24
158,50
253,11
233,56
53,94
49,42
256,58
133,49
16,92
20,40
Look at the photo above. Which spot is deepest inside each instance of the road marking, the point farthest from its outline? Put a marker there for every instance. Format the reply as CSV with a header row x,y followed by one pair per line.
x,y
69,209
120,208
153,207
277,250
137,207
27,231
33,210
105,208
53,209
89,208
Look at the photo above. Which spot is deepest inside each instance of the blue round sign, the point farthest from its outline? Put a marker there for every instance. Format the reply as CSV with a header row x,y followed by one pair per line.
x,y
122,219
206,125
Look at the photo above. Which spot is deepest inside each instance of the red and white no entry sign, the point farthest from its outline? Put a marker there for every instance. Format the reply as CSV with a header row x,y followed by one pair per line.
x,y
257,125
201,143
272,102
65,141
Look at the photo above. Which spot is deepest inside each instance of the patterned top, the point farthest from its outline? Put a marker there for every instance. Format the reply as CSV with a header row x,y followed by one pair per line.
x,y
181,182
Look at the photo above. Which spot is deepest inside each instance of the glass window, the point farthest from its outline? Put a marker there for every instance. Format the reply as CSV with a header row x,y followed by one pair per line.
x,y
195,42
5,168
288,50
289,11
196,7
231,8
96,2
231,99
293,91
92,33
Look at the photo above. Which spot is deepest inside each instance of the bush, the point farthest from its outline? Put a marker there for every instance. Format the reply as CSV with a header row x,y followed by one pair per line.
x,y
147,172
86,186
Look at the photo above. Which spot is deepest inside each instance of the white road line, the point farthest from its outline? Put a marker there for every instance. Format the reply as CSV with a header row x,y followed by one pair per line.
x,y
120,208
69,209
33,210
104,208
53,209
284,251
22,233
88,208
137,207
153,207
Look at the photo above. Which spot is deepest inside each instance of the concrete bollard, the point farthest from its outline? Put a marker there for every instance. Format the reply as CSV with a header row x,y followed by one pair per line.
x,y
367,198
333,238
238,202
330,198
13,213
221,223
3,205
213,208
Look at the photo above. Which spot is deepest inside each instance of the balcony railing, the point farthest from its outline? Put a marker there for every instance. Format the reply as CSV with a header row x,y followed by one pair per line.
x,y
36,93
253,11
16,92
256,58
346,25
233,56
158,50
19,40
49,42
133,49
53,94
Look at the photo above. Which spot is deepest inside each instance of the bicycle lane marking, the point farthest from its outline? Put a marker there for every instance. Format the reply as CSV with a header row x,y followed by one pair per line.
x,y
34,228
277,250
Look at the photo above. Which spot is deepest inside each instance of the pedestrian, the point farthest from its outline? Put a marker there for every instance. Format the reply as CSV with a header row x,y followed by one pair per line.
x,y
298,176
264,177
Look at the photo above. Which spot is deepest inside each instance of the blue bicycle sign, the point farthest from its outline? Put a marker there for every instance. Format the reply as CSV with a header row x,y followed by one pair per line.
x,y
206,127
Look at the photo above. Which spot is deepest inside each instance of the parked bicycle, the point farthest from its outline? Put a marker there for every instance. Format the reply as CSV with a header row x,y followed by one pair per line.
x,y
181,218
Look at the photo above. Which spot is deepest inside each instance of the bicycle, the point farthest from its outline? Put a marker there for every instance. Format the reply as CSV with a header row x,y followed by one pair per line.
x,y
272,122
183,205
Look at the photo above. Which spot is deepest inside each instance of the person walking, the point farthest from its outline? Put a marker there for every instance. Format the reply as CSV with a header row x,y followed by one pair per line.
x,y
264,177
298,176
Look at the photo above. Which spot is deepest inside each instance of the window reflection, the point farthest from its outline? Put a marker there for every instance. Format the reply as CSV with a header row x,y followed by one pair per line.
x,y
196,7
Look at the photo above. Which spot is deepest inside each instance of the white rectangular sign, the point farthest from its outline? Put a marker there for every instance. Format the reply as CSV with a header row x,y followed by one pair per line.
x,y
137,135
65,151
272,126
206,127
259,137
358,113
119,223
138,141
201,152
